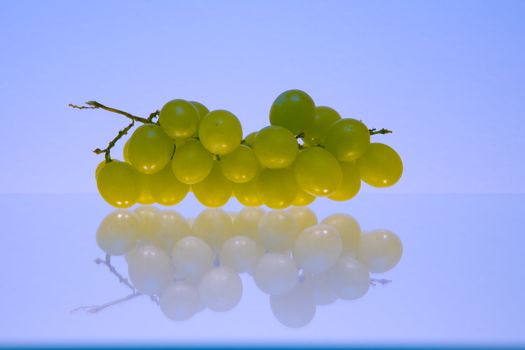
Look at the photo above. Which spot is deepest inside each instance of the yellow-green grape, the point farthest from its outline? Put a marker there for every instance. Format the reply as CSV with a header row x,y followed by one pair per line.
x,y
324,117
220,132
302,198
350,185
150,149
277,187
202,109
317,172
294,110
99,166
125,152
250,139
241,165
275,147
215,190
380,166
145,196
248,194
119,184
179,119
191,162
347,139
166,189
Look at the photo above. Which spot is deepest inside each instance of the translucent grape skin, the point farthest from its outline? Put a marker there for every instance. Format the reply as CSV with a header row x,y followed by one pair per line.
x,y
220,132
220,289
305,217
179,119
294,110
277,230
349,230
118,233
166,189
202,109
248,193
317,248
215,190
149,149
317,172
349,278
380,166
380,250
302,198
191,162
240,166
296,308
350,185
214,226
179,301
347,139
324,117
250,139
277,187
275,147
275,273
119,184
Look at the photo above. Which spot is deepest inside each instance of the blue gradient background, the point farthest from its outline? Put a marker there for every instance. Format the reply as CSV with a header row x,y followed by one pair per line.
x,y
447,76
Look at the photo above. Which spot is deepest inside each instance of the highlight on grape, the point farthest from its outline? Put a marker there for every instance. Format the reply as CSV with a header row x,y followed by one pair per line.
x,y
187,265
307,151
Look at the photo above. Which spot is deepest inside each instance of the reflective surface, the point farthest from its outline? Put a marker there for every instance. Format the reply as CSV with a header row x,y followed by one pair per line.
x,y
460,280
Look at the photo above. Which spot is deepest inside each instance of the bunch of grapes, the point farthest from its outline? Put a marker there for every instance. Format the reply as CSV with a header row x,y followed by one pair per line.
x,y
307,151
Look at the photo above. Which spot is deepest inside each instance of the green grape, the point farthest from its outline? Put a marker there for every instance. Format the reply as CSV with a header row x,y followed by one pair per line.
x,y
347,139
317,172
191,162
380,166
202,109
275,147
277,187
125,151
350,185
179,119
247,193
302,199
250,139
145,196
166,189
99,166
119,184
324,117
150,149
241,165
220,132
294,110
215,190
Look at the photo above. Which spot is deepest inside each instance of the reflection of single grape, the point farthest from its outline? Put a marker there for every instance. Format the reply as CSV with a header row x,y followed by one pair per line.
x,y
348,229
220,132
239,253
214,226
350,184
275,273
117,233
166,189
317,248
277,187
215,190
246,222
241,165
275,147
305,217
277,230
221,289
180,301
191,162
294,110
172,227
347,139
179,119
148,222
349,278
324,117
322,290
380,166
380,250
149,269
192,257
317,172
119,184
295,308
149,149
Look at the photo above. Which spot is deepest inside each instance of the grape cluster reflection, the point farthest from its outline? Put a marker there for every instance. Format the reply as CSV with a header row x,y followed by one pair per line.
x,y
194,264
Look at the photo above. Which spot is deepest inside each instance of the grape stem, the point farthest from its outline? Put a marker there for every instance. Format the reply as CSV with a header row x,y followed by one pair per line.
x,y
93,309
96,105
112,143
383,131
381,281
